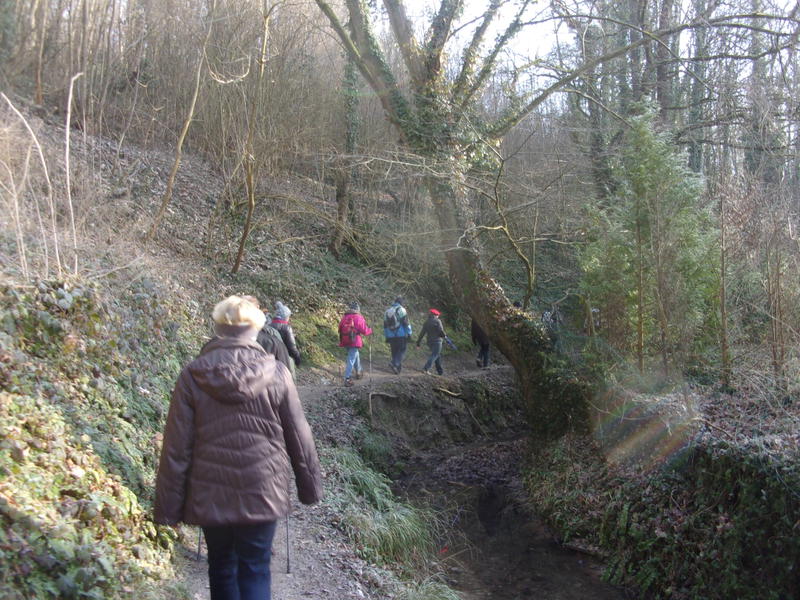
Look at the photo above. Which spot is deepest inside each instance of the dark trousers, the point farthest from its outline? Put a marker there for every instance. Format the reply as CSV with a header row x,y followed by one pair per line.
x,y
238,561
398,347
483,355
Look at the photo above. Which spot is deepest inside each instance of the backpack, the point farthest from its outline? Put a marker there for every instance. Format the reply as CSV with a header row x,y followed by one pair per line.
x,y
347,327
269,330
263,340
390,320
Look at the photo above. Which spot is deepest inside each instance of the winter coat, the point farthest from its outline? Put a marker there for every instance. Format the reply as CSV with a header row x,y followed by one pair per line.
x,y
346,340
287,335
433,328
271,341
235,424
404,330
479,335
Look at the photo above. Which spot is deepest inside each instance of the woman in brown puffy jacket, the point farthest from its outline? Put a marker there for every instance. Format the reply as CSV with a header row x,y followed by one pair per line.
x,y
235,425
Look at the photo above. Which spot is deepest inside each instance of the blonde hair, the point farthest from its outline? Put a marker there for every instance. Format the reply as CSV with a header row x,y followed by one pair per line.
x,y
252,299
237,310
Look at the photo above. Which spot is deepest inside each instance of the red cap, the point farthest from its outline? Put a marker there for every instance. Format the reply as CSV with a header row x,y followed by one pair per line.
x,y
433,311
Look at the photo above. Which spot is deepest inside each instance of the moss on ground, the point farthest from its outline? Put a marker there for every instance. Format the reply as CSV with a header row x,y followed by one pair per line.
x,y
87,378
721,523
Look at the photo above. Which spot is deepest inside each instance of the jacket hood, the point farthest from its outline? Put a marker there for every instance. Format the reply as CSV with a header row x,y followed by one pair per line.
x,y
232,369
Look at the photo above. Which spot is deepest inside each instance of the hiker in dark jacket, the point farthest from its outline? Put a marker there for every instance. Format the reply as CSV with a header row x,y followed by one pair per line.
x,y
397,331
270,340
480,338
434,329
351,327
235,425
281,323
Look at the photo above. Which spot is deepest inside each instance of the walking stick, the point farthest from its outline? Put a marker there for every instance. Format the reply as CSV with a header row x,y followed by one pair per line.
x,y
288,550
199,538
369,397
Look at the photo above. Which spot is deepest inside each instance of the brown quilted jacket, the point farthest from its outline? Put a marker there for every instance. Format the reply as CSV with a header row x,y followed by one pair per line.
x,y
235,424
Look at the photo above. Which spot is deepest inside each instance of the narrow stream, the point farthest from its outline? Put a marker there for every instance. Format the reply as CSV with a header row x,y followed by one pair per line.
x,y
493,548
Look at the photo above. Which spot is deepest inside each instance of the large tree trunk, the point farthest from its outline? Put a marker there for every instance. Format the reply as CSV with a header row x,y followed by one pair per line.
x,y
344,201
556,399
343,209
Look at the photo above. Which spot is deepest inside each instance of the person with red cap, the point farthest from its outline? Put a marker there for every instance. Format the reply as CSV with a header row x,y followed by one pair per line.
x,y
434,329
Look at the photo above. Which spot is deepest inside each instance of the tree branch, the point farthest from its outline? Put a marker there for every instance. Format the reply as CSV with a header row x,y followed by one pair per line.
x,y
470,56
504,124
362,47
437,36
409,47
488,64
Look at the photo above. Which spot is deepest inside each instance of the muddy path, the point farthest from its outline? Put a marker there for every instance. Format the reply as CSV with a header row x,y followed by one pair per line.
x,y
491,547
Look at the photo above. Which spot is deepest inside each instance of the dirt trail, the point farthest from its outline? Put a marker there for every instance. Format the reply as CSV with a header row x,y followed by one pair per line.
x,y
321,566
496,558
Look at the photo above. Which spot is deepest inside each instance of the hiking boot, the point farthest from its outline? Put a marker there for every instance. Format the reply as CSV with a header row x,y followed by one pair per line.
x,y
394,369
348,382
479,362
426,371
360,374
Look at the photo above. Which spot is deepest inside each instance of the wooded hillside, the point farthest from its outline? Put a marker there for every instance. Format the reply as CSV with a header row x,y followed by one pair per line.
x,y
641,165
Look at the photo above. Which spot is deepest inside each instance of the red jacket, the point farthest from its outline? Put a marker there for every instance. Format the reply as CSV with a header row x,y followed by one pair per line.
x,y
351,328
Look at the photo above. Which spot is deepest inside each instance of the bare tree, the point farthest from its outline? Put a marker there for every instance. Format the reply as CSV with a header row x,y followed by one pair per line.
x,y
344,173
165,199
248,158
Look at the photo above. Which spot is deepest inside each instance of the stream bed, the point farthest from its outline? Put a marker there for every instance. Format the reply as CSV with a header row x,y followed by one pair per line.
x,y
491,546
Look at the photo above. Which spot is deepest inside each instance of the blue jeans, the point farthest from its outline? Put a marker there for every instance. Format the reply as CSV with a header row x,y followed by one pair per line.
x,y
352,362
398,346
238,561
436,356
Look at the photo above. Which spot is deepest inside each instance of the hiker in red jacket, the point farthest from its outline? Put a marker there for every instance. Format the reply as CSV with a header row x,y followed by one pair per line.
x,y
351,328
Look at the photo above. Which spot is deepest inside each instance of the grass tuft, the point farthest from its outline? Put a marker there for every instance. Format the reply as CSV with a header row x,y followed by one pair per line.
x,y
384,529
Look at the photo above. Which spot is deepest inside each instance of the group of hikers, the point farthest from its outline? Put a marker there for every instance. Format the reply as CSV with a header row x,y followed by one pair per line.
x,y
235,426
398,332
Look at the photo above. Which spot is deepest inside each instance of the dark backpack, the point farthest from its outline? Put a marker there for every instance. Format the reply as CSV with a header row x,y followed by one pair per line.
x,y
390,320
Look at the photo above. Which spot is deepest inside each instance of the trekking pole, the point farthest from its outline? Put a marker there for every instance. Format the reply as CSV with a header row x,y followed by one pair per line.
x,y
199,538
369,345
288,550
